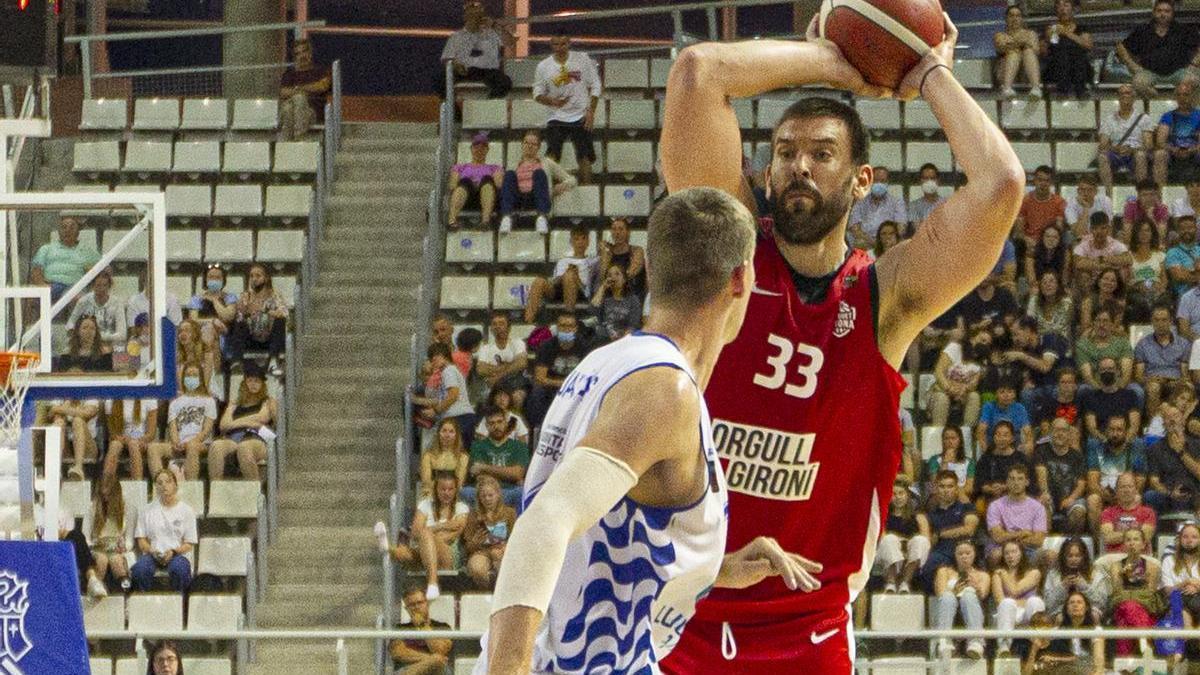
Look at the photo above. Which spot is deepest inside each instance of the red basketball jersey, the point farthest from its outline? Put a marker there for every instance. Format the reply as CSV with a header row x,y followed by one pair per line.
x,y
805,419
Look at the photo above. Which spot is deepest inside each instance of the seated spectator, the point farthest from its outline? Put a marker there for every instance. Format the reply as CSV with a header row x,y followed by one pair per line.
x,y
1160,52
907,529
1147,274
165,534
1073,572
86,351
1068,68
303,90
487,530
1085,656
1105,348
1062,478
246,428
1004,273
165,659
420,657
447,454
434,538
1017,49
1182,257
568,84
110,537
501,399
1146,206
191,418
1035,357
572,278
920,208
500,456
620,312
956,381
466,346
870,212
132,424
139,303
77,420
960,588
1099,253
449,399
1087,200
989,308
1014,590
1126,513
923,351
473,184
954,459
910,455
1161,358
1004,408
991,470
532,185
1124,138
1188,204
1173,469
262,314
887,237
951,521
108,311
61,264
475,50
619,251
1181,572
1041,208
554,362
191,349
1061,403
1052,306
1050,254
1016,517
1112,455
1177,139
502,359
214,304
1136,602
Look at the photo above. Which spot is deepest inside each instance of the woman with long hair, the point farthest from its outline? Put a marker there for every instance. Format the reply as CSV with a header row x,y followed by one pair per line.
x,y
261,321
191,349
165,659
1014,589
244,417
1108,290
435,536
1052,306
1148,275
503,399
132,425
1079,656
191,418
905,545
447,453
954,458
620,312
1075,573
1136,602
1181,572
108,532
961,588
86,350
886,237
1050,254
488,526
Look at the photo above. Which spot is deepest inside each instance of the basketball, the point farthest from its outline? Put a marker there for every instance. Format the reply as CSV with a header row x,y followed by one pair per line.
x,y
883,39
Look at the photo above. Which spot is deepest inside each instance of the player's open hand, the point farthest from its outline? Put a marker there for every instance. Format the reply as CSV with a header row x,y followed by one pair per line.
x,y
764,558
838,71
941,55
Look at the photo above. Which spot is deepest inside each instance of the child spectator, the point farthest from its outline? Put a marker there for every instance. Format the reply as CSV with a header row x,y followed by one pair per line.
x,y
487,530
618,251
1005,408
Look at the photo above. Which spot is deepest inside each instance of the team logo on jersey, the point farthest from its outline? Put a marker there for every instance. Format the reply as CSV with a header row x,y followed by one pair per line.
x,y
845,320
766,462
14,603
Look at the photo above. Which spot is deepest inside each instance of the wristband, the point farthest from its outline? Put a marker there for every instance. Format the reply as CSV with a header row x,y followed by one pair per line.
x,y
921,88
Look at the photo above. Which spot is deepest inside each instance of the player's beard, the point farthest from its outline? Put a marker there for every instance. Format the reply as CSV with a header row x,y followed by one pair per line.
x,y
803,224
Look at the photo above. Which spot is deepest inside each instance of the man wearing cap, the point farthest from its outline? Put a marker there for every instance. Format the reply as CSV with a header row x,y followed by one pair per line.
x,y
473,184
568,84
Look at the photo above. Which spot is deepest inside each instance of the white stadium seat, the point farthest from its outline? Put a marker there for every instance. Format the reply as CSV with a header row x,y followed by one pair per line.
x,y
1074,156
920,152
100,665
103,114
469,246
1023,114
626,74
96,157
255,114
522,71
464,666
104,614
191,492
918,115
528,114
182,285
474,610
464,292
630,156
184,245
631,114
156,114
185,201
209,666
229,246
560,244
280,246
135,493
197,157
660,69
246,157
233,498
743,109
1032,155
583,201
770,110
297,157
899,665
879,115
223,556
155,611
288,201
521,247
626,200
214,612
136,250
130,666
974,73
509,292
485,113
897,611
887,153
238,200
205,114
1079,115
76,497
148,156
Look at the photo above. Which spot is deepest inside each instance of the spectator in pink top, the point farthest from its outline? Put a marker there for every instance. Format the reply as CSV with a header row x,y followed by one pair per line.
x,y
473,184
1147,206
1099,252
1016,517
532,184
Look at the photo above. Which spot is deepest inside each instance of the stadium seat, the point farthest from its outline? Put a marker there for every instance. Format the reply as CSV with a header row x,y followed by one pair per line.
x,y
104,614
124,285
103,114
1074,115
897,611
288,201
630,156
148,156
508,292
76,496
918,115
136,250
920,152
879,115
660,69
522,71
485,113
1022,114
209,666
213,612
1122,194
1006,666
974,73
255,114
247,157
130,666
229,246
568,155
470,246
887,153
96,157
899,665
1032,155
464,292
191,492
769,112
233,498
464,666
521,247
560,245
626,74
906,396
155,611
286,285
631,114
924,384
135,494
297,157
156,114
238,200
223,556
958,666
527,114
583,201
182,285
100,665
1164,543
187,201
285,246
1157,107
474,610
205,114
1171,193
626,200
197,157
1074,157
743,108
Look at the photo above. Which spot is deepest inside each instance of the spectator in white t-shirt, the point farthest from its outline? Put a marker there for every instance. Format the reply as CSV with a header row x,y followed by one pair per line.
x,y
870,212
449,399
568,84
572,277
476,52
1188,204
77,419
501,399
165,534
1086,201
1124,138
502,360
956,379
132,423
108,311
190,420
435,537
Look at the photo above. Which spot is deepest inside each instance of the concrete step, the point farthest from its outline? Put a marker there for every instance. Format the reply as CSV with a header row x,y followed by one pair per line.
x,y
301,613
352,169
399,147
366,519
326,481
332,309
343,536
333,500
328,593
364,461
297,657
389,129
336,574
285,555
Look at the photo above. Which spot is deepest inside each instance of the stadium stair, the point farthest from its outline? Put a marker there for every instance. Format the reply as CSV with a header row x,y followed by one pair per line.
x,y
324,568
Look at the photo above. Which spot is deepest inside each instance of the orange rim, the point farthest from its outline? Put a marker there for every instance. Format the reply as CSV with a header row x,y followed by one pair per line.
x,y
19,359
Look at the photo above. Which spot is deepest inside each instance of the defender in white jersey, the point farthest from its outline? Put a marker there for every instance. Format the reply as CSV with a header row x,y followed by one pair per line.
x,y
625,505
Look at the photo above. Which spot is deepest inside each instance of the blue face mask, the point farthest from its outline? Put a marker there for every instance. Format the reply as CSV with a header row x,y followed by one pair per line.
x,y
879,189
191,382
566,336
214,285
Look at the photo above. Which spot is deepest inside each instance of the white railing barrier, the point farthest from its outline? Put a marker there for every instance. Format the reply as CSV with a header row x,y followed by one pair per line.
x,y
343,658
381,650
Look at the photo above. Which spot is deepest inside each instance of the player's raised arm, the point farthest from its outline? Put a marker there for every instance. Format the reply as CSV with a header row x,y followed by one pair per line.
x,y
960,241
701,141
646,419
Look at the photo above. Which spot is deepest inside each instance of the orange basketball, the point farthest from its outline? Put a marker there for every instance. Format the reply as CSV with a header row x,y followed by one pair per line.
x,y
883,39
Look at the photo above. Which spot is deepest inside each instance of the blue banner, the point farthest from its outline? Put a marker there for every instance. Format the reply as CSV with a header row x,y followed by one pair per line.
x,y
41,615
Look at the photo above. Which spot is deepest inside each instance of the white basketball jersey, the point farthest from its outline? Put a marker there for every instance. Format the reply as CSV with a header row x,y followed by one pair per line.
x,y
630,583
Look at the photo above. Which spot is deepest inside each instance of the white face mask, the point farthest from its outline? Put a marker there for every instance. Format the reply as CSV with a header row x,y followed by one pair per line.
x,y
929,187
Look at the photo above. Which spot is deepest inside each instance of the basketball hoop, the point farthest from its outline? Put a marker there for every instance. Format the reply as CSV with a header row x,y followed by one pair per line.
x,y
16,372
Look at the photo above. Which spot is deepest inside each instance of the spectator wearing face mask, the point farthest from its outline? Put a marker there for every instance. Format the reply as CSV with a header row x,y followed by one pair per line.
x,y
869,213
554,362
920,208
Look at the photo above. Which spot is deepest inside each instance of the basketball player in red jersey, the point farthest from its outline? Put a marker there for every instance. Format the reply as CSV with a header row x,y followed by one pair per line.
x,y
805,400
